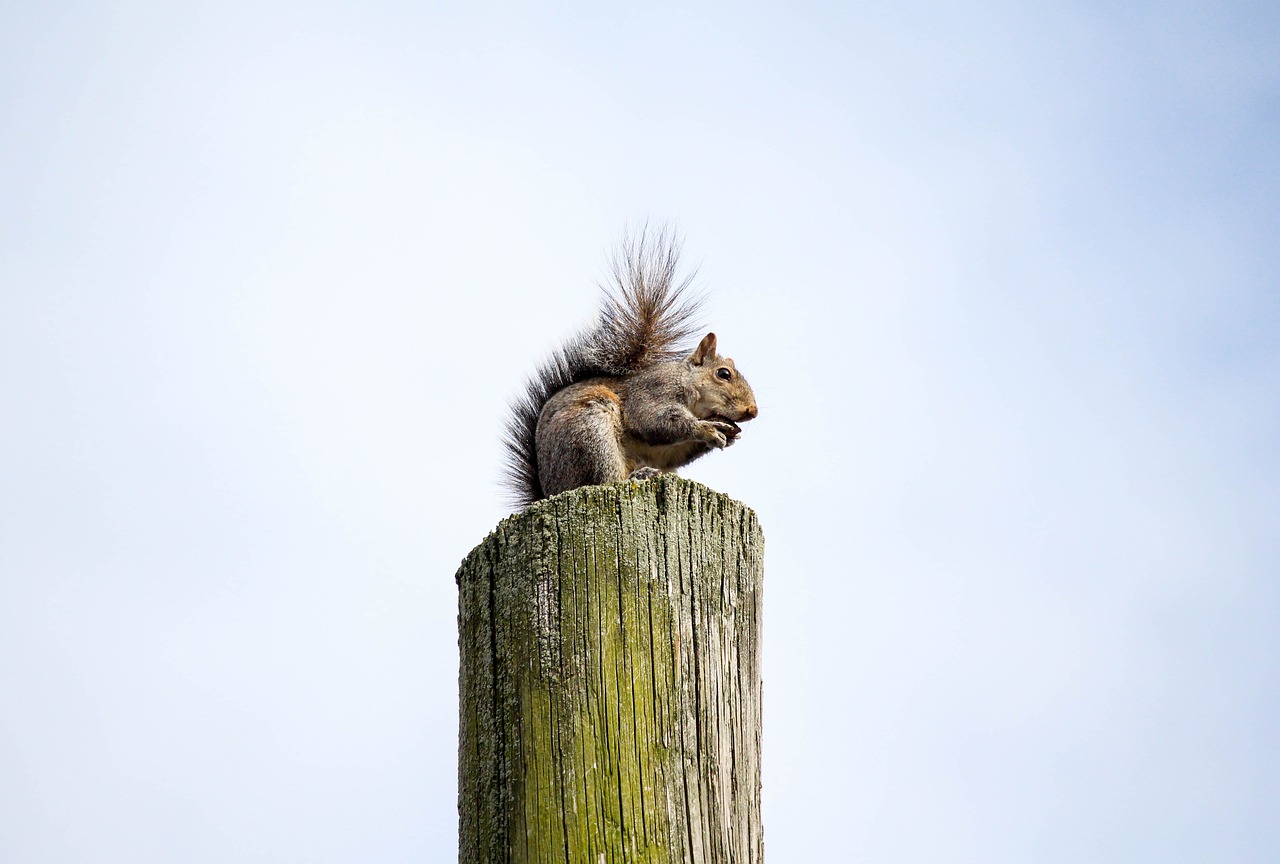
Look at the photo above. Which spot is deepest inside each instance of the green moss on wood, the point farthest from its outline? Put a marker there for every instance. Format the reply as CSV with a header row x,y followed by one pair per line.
x,y
610,680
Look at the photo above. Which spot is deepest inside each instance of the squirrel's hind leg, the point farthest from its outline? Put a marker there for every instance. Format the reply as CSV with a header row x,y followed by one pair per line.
x,y
578,439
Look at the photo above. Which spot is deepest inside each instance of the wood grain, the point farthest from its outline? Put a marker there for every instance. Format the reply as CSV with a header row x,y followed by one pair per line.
x,y
610,680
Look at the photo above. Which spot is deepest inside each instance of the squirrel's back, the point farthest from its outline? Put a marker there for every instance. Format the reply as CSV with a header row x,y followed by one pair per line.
x,y
647,316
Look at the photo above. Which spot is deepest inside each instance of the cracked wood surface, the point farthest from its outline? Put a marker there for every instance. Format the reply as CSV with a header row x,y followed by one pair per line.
x,y
610,680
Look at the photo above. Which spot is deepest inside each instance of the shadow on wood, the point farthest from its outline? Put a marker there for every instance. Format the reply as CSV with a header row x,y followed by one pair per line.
x,y
610,680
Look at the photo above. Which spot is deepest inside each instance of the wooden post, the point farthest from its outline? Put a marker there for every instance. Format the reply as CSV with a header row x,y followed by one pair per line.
x,y
610,681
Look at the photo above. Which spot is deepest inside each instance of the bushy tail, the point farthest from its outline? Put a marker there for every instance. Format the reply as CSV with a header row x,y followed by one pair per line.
x,y
647,315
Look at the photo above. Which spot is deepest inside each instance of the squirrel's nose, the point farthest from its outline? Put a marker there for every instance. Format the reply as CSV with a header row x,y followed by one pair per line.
x,y
751,413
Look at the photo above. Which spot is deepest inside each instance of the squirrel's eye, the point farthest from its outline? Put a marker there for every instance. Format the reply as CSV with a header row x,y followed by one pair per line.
x,y
724,374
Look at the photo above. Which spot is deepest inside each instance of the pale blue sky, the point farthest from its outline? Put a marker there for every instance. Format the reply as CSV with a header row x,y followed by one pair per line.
x,y
1005,278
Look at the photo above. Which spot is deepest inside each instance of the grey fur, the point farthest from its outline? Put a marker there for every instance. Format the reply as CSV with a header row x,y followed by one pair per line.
x,y
623,398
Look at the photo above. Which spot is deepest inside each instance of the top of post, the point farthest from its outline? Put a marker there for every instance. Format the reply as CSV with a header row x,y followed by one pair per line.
x,y
629,507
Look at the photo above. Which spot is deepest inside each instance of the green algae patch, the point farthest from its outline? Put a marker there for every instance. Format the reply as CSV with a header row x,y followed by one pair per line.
x,y
609,680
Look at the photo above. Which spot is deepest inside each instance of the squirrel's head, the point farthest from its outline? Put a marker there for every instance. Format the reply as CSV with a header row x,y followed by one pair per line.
x,y
722,391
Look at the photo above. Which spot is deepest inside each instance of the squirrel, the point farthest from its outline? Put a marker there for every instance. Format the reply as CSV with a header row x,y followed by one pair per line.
x,y
627,398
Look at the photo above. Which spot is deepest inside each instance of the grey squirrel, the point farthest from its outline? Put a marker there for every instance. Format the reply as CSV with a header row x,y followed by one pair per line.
x,y
627,398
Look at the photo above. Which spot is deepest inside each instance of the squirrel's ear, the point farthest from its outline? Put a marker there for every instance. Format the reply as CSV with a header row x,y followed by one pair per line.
x,y
705,351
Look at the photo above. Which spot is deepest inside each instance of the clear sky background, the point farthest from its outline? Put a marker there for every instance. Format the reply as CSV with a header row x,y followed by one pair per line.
x,y
1005,277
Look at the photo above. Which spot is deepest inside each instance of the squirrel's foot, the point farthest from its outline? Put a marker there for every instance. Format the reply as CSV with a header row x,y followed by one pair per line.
x,y
718,433
644,473
732,431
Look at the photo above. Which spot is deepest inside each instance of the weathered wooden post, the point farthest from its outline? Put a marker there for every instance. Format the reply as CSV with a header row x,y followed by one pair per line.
x,y
610,681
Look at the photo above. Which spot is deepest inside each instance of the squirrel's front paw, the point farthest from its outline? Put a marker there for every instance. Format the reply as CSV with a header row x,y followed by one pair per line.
x,y
731,431
723,432
716,433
